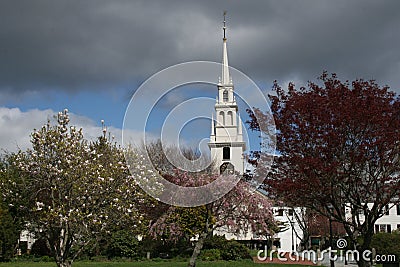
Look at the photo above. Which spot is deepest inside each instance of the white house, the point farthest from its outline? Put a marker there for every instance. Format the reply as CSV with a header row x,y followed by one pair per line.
x,y
288,239
25,237
389,222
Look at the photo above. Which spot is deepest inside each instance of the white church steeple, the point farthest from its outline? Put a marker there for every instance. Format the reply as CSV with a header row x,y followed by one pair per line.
x,y
225,66
225,85
226,139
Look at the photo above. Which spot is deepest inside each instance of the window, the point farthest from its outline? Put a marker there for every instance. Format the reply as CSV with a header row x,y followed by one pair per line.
x,y
398,209
225,96
279,212
230,118
290,212
226,153
256,236
276,243
227,168
221,119
386,209
383,228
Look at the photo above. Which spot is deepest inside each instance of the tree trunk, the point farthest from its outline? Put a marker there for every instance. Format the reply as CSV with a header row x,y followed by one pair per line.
x,y
197,249
363,263
366,244
199,244
64,264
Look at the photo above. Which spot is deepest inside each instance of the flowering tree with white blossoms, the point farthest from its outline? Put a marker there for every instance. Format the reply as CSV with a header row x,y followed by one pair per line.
x,y
77,189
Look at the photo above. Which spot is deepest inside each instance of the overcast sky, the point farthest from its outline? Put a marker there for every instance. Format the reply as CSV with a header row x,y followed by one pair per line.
x,y
90,56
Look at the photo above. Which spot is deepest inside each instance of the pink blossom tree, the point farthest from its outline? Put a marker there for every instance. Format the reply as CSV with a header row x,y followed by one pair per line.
x,y
238,212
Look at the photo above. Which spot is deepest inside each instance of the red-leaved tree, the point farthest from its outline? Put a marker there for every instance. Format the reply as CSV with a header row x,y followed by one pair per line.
x,y
338,146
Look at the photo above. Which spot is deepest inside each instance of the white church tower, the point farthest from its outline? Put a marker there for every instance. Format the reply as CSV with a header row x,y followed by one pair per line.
x,y
226,139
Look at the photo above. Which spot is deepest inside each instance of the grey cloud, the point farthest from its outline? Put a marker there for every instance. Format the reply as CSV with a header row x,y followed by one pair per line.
x,y
95,45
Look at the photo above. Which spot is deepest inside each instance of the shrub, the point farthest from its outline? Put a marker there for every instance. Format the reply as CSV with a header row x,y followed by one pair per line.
x,y
123,244
46,259
387,244
210,254
165,249
235,251
39,248
229,249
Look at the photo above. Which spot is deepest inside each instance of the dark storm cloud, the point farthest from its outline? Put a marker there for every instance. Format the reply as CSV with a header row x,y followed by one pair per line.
x,y
92,45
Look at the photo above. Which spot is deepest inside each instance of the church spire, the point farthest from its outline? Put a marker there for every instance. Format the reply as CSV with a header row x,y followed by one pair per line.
x,y
225,66
226,138
224,28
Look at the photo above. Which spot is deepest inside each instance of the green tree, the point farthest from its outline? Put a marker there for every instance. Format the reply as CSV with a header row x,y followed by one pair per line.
x,y
10,220
8,234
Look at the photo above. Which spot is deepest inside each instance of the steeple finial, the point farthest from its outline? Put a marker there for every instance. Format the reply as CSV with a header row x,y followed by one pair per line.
x,y
225,66
224,28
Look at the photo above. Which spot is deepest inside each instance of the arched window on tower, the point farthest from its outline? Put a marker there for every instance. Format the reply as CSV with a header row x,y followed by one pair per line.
x,y
221,118
227,168
225,96
226,153
229,119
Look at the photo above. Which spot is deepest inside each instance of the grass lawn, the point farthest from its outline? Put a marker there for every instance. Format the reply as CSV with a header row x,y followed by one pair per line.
x,y
148,264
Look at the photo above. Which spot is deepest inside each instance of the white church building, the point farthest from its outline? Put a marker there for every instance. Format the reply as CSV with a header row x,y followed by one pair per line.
x,y
227,149
226,139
